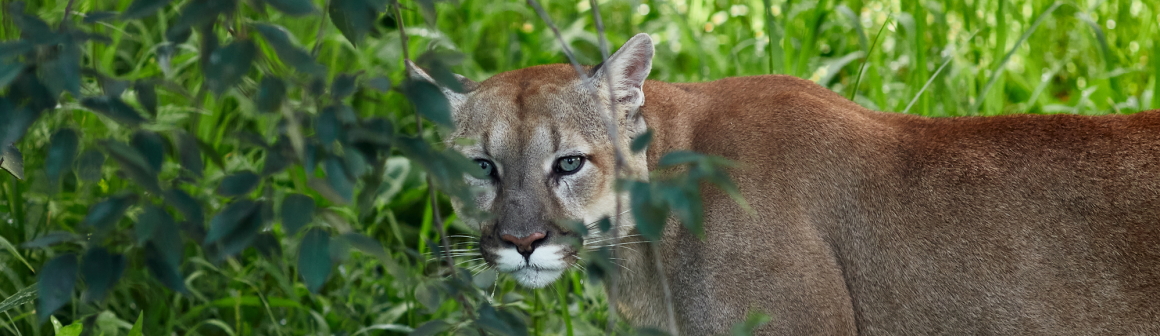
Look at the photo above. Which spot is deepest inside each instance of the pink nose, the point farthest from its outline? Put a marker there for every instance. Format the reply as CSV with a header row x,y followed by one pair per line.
x,y
524,244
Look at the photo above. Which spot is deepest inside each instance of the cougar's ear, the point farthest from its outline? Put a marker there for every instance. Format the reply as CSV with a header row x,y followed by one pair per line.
x,y
628,68
456,99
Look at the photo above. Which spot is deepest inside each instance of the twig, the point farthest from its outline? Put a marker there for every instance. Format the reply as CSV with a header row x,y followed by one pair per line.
x,y
67,14
321,30
402,32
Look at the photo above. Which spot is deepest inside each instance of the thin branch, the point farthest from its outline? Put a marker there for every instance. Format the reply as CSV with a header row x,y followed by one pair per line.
x,y
402,31
67,13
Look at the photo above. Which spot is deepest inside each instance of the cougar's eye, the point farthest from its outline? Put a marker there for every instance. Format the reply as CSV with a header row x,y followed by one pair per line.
x,y
569,164
486,168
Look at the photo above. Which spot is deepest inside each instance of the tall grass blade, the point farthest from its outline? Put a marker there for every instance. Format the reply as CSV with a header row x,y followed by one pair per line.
x,y
1003,64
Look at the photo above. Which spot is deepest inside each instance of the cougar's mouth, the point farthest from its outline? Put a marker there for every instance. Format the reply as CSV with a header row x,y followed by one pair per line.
x,y
537,269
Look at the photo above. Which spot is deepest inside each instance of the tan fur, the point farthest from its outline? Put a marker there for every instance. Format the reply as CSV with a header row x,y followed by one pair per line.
x,y
866,222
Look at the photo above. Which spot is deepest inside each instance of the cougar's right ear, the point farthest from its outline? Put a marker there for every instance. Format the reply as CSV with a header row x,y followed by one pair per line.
x,y
457,99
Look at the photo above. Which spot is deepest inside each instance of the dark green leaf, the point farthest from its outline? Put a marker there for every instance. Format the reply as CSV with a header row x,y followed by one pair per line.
x,y
63,72
288,51
229,219
167,236
61,152
271,92
134,165
685,203
151,147
165,272
21,298
148,221
57,280
229,64
431,328
752,322
343,85
238,184
98,16
276,161
316,86
641,142
438,66
268,245
337,177
429,101
114,108
146,95
10,49
292,7
353,18
186,204
427,8
327,127
12,161
243,235
489,319
197,13
101,270
143,8
355,163
9,71
650,217
32,29
651,331
104,215
29,89
49,239
89,165
314,259
112,87
188,152
365,244
380,83
297,211
678,158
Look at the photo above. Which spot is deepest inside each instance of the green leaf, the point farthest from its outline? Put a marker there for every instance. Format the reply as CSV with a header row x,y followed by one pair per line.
x,y
354,18
165,272
12,161
151,147
101,270
104,215
355,163
292,7
229,219
229,64
134,165
314,259
49,239
678,158
685,203
338,180
137,327
20,298
186,204
63,72
8,246
380,83
114,108
438,63
57,279
365,244
427,8
289,52
297,211
197,13
327,127
343,86
150,218
268,246
650,217
642,141
490,320
147,95
98,16
166,235
9,49
238,184
431,328
276,161
189,153
143,8
73,329
89,165
429,101
9,71
32,29
271,92
61,152
750,325
242,235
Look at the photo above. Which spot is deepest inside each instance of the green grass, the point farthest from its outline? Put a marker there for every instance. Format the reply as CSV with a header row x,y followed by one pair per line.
x,y
1085,57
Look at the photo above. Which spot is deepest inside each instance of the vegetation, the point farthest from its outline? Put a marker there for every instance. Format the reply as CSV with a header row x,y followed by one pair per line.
x,y
226,167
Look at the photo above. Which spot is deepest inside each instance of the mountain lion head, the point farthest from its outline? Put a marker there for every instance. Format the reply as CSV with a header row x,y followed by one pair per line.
x,y
540,138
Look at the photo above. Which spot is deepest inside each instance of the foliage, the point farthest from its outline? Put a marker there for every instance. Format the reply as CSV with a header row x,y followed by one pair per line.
x,y
165,140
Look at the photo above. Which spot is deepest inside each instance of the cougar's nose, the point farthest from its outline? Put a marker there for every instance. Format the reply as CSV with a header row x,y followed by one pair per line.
x,y
525,245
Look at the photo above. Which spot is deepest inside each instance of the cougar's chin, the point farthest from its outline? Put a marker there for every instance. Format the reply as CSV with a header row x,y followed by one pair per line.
x,y
539,269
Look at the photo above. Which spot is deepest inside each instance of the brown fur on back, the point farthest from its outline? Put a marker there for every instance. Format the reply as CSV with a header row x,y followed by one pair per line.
x,y
884,223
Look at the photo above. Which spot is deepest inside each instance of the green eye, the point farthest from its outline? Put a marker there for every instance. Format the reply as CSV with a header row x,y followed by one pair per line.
x,y
486,167
569,164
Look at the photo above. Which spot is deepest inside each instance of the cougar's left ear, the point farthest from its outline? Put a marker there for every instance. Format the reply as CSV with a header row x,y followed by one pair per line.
x,y
628,69
457,99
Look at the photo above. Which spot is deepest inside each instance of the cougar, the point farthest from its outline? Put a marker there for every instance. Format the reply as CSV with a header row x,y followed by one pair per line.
x,y
861,222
